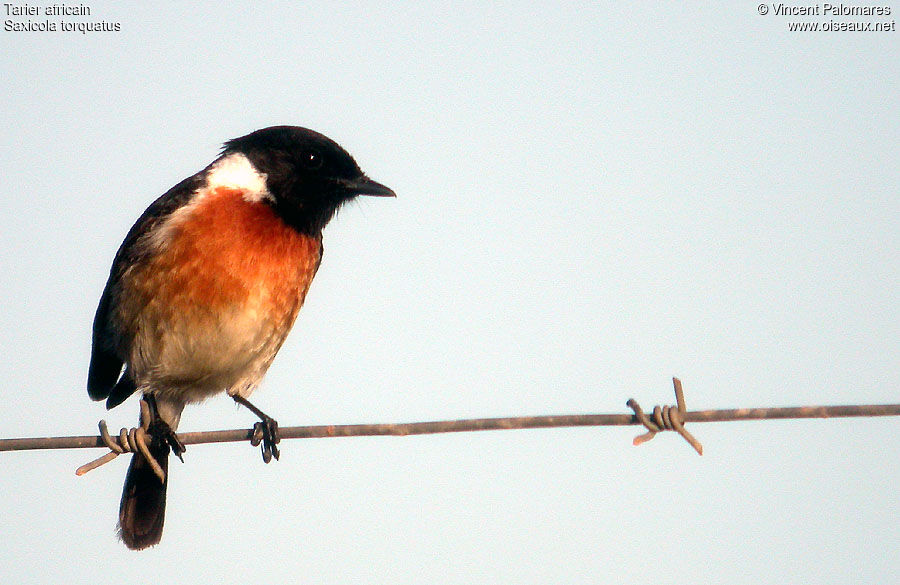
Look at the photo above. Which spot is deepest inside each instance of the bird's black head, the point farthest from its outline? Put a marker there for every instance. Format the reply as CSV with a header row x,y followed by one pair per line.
x,y
307,174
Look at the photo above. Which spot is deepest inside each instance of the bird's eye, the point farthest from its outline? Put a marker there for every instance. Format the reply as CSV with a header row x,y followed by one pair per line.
x,y
311,159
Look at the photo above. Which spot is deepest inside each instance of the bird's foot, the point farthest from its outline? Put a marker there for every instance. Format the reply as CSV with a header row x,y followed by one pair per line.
x,y
163,436
160,432
265,432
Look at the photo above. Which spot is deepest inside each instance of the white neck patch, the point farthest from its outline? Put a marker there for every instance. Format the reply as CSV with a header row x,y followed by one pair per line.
x,y
235,171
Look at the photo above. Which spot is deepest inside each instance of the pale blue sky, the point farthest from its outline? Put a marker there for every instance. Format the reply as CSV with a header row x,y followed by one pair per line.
x,y
591,199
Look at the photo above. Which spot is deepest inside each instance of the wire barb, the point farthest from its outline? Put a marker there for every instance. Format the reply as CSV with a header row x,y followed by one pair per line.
x,y
129,441
665,418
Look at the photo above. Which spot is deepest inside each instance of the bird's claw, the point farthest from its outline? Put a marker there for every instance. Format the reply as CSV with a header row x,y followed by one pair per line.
x,y
265,432
160,431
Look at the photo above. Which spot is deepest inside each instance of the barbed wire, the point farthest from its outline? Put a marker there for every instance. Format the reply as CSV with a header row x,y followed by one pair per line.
x,y
663,418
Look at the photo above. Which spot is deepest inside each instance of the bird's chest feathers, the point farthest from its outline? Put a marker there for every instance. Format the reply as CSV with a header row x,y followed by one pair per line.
x,y
226,252
224,274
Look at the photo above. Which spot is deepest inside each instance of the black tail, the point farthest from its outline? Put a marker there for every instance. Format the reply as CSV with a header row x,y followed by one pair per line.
x,y
143,507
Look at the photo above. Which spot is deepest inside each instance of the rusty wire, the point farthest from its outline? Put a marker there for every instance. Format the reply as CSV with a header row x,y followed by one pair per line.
x,y
129,441
664,418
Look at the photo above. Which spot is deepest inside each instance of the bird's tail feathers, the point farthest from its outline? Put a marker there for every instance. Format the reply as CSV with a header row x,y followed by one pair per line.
x,y
142,510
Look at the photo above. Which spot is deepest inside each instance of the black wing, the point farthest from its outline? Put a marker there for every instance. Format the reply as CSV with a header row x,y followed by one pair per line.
x,y
106,360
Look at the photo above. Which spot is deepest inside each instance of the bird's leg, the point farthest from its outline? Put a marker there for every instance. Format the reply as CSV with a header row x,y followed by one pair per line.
x,y
265,431
160,431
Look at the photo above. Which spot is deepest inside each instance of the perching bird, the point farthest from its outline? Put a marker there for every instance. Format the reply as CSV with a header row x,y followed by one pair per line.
x,y
206,286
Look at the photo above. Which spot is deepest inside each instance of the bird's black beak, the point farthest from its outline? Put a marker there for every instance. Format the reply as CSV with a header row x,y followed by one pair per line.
x,y
366,186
